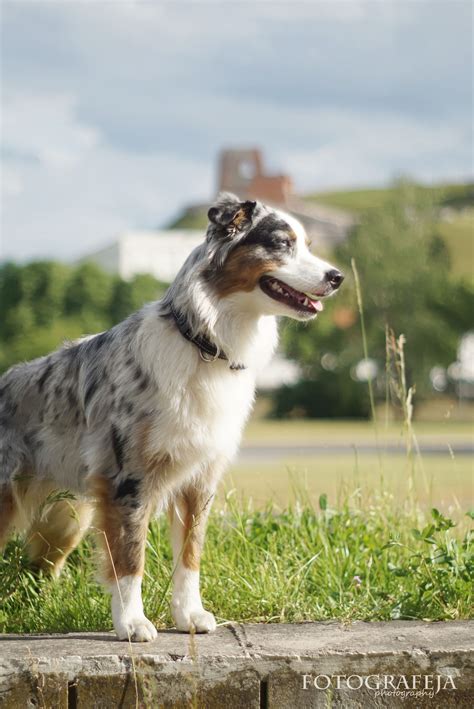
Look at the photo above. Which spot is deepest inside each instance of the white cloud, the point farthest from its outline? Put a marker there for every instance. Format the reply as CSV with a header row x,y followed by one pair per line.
x,y
370,148
11,182
65,214
44,128
114,112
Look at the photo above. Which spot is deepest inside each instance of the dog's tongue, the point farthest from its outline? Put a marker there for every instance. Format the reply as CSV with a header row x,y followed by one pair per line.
x,y
317,305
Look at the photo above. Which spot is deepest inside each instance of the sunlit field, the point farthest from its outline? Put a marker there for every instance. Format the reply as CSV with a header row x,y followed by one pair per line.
x,y
340,464
441,481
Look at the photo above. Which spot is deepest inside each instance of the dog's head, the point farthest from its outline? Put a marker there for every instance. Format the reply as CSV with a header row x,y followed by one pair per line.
x,y
263,256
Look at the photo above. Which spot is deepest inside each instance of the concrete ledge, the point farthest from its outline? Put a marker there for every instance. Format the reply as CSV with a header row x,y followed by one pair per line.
x,y
409,664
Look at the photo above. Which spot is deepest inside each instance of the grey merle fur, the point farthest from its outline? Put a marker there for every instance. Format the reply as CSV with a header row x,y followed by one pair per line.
x,y
77,410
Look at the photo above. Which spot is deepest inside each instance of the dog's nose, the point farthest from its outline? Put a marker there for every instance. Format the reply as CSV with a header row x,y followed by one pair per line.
x,y
334,277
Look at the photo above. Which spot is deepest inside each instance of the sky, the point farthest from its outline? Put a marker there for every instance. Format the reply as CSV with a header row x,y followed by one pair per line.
x,y
113,112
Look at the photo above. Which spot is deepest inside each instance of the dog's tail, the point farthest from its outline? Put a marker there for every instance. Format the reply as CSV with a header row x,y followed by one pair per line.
x,y
55,531
54,521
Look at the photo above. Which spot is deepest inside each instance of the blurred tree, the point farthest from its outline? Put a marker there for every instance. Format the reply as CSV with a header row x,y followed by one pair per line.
x,y
88,296
406,284
44,303
11,293
128,296
44,288
330,395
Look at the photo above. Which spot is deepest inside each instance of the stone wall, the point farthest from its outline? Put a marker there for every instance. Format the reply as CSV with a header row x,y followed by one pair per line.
x,y
409,664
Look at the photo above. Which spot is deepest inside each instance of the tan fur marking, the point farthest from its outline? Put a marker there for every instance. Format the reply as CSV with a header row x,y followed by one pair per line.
x,y
121,532
196,510
7,512
192,540
242,271
239,218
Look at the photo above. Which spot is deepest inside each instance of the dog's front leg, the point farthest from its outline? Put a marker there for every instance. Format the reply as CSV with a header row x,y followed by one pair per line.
x,y
188,514
123,515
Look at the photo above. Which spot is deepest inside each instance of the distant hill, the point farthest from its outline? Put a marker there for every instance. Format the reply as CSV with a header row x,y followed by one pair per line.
x,y
191,218
456,226
456,196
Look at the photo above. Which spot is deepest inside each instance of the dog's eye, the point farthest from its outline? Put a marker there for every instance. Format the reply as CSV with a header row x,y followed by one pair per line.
x,y
286,243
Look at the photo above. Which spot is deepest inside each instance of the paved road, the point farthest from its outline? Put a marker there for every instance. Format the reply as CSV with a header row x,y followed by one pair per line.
x,y
250,453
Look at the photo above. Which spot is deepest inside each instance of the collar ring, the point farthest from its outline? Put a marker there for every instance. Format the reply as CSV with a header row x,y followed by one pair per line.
x,y
206,357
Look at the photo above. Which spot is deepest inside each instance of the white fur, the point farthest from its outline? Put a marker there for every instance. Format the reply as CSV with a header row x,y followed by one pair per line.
x,y
201,407
186,605
304,272
128,617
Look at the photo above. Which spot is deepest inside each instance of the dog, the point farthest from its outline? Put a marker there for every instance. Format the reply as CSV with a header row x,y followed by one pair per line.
x,y
147,415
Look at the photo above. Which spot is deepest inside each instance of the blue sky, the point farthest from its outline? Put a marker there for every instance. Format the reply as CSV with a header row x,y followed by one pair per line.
x,y
113,111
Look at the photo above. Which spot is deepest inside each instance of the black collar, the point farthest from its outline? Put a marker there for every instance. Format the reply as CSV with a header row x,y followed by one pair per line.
x,y
208,351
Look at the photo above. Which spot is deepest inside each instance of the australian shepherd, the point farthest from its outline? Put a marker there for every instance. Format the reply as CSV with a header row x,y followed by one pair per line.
x,y
147,415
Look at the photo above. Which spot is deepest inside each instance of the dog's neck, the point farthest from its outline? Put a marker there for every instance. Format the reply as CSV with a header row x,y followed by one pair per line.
x,y
241,333
238,333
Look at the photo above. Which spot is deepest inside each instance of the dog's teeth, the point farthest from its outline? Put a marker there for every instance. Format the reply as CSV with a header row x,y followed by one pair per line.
x,y
306,302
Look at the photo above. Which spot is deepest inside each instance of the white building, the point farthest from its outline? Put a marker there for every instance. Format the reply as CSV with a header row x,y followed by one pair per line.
x,y
160,253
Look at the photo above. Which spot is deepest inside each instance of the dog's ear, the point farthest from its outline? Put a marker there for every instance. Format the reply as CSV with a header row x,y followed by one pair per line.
x,y
230,213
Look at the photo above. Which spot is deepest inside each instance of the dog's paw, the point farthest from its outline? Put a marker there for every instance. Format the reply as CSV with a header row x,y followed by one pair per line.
x,y
138,630
198,621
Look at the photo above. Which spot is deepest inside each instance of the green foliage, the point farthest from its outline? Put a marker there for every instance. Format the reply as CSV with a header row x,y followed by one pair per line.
x,y
357,561
88,295
332,395
407,285
44,303
128,296
30,295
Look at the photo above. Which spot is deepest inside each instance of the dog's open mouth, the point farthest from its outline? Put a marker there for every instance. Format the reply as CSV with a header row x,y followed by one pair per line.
x,y
284,293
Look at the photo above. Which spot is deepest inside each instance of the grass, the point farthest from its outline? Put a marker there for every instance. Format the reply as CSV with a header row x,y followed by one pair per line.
x,y
364,558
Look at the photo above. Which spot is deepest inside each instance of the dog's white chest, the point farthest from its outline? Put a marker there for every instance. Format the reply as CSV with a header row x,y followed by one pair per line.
x,y
200,408
203,419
